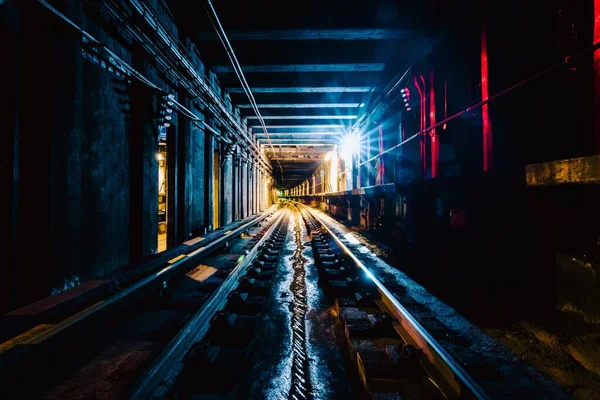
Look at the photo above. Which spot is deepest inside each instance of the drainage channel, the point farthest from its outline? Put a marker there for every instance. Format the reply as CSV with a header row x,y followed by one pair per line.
x,y
276,335
300,381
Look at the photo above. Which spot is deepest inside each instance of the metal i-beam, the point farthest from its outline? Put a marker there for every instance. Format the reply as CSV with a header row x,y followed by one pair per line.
x,y
271,134
331,117
292,131
266,147
346,67
295,159
325,126
305,105
333,89
304,137
299,141
309,34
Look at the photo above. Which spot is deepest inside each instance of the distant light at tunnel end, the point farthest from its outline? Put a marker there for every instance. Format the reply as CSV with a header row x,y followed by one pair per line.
x,y
350,145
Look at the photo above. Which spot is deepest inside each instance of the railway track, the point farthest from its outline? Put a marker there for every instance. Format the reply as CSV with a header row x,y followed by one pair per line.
x,y
389,346
102,350
247,351
288,311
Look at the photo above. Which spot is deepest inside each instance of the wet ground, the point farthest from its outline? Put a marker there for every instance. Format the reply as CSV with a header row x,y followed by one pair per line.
x,y
501,372
297,356
564,346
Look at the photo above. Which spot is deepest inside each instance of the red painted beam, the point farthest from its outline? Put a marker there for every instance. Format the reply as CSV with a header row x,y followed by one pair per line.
x,y
597,76
422,125
487,125
424,118
435,152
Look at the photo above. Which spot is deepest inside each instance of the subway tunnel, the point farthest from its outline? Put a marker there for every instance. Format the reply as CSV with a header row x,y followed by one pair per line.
x,y
305,200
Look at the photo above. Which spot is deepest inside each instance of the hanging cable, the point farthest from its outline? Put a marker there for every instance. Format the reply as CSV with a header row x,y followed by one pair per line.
x,y
119,63
565,61
214,19
395,83
236,66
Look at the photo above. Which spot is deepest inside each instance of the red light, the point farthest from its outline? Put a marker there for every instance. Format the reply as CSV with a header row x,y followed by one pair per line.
x,y
597,73
487,126
434,142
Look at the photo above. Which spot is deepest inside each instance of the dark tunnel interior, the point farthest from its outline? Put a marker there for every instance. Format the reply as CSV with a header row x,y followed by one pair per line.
x,y
309,200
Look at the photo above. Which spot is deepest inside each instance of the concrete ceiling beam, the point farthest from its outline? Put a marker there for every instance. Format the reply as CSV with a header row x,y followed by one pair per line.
x,y
345,67
305,105
329,117
310,34
323,89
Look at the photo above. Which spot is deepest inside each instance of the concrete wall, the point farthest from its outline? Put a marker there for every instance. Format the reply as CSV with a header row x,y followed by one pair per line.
x,y
466,239
193,161
78,148
72,144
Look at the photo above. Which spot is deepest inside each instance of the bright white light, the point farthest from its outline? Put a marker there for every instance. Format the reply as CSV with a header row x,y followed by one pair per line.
x,y
350,145
159,157
328,156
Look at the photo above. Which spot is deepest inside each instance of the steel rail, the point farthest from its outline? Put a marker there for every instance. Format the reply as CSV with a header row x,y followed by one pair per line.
x,y
161,375
132,292
458,371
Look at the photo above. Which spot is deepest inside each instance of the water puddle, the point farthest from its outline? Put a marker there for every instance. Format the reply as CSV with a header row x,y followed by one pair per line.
x,y
300,383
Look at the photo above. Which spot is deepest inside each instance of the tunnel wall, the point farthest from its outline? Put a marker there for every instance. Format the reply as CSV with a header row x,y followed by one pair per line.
x,y
474,239
194,165
79,145
509,234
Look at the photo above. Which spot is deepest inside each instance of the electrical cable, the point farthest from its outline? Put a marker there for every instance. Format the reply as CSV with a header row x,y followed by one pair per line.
x,y
395,83
594,47
214,19
147,13
237,68
188,113
133,72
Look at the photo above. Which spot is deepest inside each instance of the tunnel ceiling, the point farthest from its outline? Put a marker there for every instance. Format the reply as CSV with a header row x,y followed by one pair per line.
x,y
313,66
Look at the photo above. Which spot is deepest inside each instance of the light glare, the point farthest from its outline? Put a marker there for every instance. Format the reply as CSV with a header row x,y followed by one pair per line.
x,y
350,145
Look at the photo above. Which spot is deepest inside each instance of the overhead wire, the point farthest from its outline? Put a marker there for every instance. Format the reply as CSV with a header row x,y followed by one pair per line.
x,y
132,71
523,82
220,31
395,83
149,11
